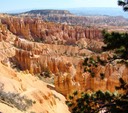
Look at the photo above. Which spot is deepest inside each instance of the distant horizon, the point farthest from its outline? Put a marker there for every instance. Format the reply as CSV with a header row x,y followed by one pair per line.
x,y
14,5
29,9
84,11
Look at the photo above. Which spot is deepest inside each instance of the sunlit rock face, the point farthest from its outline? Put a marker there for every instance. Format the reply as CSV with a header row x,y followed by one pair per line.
x,y
82,81
7,50
57,54
3,32
36,29
45,100
37,57
61,53
15,82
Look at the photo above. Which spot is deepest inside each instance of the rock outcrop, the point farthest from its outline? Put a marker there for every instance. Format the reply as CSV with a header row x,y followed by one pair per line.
x,y
7,50
46,100
83,81
44,96
37,30
37,57
3,32
61,54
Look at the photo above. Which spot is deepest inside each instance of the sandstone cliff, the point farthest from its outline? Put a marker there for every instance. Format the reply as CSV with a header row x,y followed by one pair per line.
x,y
37,30
7,50
65,63
37,57
61,55
46,100
83,81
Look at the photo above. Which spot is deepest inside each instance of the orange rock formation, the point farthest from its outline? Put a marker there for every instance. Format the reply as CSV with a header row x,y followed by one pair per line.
x,y
61,53
36,29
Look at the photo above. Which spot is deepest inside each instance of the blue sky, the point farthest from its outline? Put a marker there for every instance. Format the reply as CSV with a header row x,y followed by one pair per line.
x,y
12,5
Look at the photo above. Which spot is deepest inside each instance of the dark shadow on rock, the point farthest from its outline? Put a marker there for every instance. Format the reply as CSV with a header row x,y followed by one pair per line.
x,y
50,87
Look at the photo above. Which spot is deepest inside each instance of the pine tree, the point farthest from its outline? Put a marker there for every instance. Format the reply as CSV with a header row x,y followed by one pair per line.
x,y
118,42
124,4
100,101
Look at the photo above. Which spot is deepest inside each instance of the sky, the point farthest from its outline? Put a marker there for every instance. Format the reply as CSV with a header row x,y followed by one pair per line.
x,y
13,5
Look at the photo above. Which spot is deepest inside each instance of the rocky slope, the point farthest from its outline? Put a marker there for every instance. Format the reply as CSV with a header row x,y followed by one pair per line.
x,y
37,30
13,82
47,100
44,96
18,52
65,62
36,57
83,81
7,50
33,47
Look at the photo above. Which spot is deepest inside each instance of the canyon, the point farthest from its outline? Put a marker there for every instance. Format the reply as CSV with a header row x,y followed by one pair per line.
x,y
32,49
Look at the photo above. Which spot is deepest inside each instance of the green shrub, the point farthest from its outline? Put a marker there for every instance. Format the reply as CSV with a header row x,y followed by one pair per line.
x,y
90,63
99,101
117,42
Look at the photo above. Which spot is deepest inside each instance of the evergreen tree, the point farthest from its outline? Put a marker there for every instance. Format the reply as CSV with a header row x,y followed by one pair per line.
x,y
124,4
103,101
100,101
118,42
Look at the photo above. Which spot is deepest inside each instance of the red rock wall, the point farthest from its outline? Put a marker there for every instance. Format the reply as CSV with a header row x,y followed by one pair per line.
x,y
66,84
37,57
36,29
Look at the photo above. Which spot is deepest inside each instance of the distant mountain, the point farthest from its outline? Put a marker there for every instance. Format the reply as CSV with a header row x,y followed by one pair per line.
x,y
96,11
48,12
58,16
86,11
80,16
